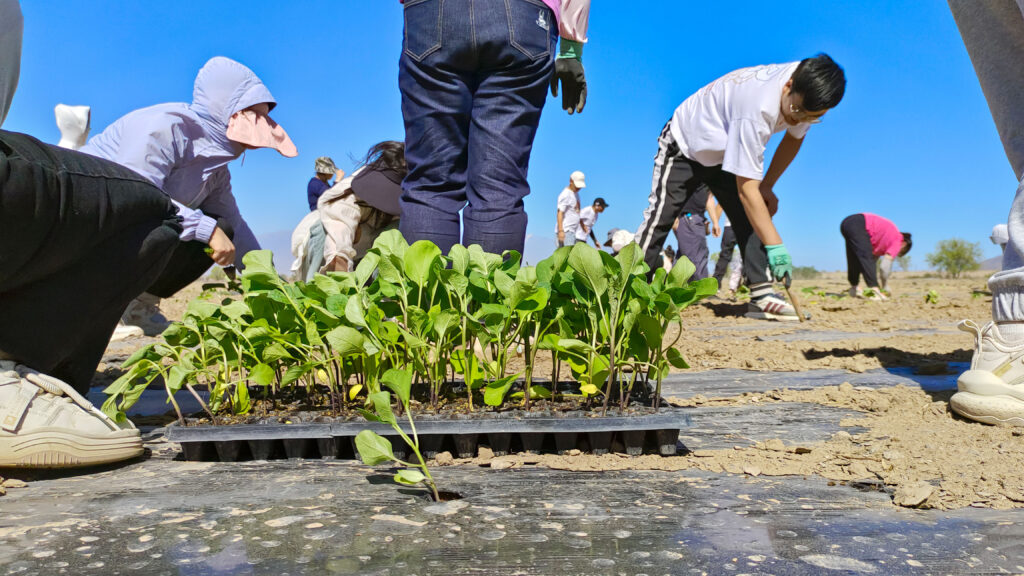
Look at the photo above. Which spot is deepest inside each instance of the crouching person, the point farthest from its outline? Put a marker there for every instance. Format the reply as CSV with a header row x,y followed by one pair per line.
x,y
80,237
352,214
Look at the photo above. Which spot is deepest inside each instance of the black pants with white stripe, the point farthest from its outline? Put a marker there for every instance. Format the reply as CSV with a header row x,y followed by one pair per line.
x,y
676,177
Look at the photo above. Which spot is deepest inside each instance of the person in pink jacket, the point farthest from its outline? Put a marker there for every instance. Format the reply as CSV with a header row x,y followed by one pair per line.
x,y
870,240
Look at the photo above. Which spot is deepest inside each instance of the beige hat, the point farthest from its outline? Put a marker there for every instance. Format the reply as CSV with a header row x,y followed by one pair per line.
x,y
577,178
324,165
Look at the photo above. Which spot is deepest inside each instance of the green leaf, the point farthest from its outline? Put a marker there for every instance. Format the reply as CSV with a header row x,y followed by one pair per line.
x,y
675,358
391,242
382,407
503,282
144,352
293,373
262,374
420,260
373,448
242,404
400,382
631,261
176,378
355,312
680,273
459,256
274,352
409,477
586,263
201,309
366,267
494,393
650,329
346,341
259,271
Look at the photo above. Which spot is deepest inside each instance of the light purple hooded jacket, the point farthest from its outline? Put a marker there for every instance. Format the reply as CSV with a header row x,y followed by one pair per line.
x,y
183,148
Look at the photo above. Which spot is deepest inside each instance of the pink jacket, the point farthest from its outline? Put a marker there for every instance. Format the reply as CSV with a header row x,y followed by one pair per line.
x,y
885,237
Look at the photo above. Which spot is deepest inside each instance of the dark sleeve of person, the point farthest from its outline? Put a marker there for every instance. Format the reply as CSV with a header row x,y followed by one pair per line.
x,y
314,190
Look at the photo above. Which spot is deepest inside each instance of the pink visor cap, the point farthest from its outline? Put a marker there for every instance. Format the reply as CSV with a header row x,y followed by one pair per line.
x,y
260,131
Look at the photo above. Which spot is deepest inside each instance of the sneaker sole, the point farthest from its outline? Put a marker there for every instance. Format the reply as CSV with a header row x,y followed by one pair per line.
x,y
770,316
49,449
998,410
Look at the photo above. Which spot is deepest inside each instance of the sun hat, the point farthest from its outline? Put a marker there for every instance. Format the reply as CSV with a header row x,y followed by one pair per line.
x,y
260,131
324,165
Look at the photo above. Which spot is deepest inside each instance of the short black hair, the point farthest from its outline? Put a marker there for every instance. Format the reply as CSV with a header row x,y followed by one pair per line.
x,y
908,243
820,81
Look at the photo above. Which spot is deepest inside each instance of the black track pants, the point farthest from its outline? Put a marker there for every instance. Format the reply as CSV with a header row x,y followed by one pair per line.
x,y
859,257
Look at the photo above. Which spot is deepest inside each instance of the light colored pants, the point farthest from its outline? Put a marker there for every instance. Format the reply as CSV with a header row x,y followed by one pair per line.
x,y
993,31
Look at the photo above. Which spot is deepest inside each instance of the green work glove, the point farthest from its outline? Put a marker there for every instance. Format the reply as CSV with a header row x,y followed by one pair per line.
x,y
779,261
569,71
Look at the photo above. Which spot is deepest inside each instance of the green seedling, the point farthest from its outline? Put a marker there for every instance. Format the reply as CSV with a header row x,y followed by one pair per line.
x,y
932,297
375,449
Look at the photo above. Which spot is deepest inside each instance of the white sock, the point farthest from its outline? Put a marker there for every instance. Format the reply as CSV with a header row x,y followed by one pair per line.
x,y
1011,331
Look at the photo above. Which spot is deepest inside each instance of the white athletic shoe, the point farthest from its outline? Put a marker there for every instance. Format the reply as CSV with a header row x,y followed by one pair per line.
x,y
44,423
771,307
124,332
144,313
992,391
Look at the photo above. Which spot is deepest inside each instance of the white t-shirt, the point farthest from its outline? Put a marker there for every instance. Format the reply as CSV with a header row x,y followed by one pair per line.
x,y
569,205
730,121
588,217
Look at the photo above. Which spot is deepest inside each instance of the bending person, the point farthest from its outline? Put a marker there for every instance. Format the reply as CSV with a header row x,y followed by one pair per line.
x,y
352,214
184,150
872,241
79,238
717,138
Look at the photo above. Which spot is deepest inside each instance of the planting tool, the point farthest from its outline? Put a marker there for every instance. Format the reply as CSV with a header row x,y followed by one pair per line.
x,y
796,303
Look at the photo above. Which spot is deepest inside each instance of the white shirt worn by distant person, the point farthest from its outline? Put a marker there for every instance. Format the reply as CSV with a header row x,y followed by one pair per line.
x,y
569,205
730,121
588,217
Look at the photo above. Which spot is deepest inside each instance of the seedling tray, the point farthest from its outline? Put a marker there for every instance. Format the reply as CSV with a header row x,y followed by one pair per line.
x,y
635,434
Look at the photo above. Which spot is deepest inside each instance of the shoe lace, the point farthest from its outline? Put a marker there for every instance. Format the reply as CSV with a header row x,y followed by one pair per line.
x,y
61,391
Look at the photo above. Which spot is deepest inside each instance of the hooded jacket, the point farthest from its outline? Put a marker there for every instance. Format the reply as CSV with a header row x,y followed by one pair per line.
x,y
184,150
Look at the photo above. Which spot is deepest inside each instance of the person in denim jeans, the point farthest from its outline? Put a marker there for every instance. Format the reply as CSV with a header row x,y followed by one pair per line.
x,y
473,76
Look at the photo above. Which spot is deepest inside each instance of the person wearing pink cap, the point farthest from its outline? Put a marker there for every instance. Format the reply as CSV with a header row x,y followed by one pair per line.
x,y
184,149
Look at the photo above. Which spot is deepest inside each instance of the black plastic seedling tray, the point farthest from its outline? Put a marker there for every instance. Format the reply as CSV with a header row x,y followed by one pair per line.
x,y
633,435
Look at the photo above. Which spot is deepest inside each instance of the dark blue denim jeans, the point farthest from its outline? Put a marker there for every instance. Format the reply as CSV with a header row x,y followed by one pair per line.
x,y
474,77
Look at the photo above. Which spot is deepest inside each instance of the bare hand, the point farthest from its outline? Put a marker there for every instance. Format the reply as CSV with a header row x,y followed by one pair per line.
x,y
222,248
339,175
770,200
561,236
716,230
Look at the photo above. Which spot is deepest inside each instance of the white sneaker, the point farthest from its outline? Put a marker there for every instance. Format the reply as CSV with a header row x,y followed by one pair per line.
x,y
144,313
771,307
124,332
44,423
992,391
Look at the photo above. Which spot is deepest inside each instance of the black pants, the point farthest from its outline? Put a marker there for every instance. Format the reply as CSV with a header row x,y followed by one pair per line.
x,y
80,237
676,177
725,253
860,259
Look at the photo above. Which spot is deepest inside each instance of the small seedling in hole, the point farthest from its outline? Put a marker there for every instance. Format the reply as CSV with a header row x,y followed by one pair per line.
x,y
932,297
375,449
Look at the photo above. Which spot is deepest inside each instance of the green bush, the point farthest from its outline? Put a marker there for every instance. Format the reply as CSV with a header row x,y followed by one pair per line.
x,y
955,256
805,273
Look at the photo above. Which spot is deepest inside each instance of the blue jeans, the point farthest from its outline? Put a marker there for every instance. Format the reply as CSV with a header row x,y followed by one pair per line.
x,y
474,77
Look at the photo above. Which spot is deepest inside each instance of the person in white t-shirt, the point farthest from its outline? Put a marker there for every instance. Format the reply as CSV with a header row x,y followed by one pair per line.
x,y
717,137
567,216
588,218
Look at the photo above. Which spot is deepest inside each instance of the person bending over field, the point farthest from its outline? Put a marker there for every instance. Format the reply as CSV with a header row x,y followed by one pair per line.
x,y
184,149
352,214
717,137
871,240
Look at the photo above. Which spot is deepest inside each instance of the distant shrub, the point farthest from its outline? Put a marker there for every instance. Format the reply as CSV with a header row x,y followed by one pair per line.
x,y
805,273
955,256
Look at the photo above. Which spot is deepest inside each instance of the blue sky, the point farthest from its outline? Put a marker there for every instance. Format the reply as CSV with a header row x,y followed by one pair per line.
x,y
912,140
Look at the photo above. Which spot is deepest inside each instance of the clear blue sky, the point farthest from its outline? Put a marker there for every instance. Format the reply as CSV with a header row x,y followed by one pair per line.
x,y
912,140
